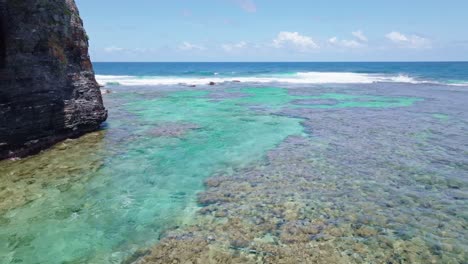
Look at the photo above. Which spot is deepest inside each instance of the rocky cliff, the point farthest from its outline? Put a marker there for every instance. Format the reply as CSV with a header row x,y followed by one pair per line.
x,y
47,87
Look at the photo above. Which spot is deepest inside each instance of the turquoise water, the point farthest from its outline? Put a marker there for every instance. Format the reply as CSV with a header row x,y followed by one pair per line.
x,y
102,197
146,183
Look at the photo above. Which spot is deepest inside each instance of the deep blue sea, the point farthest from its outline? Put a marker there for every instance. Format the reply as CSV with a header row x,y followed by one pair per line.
x,y
455,73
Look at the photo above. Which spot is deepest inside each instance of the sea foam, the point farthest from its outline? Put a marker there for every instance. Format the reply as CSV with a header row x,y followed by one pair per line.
x,y
297,78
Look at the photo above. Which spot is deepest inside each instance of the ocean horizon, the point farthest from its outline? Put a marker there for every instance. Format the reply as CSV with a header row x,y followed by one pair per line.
x,y
193,73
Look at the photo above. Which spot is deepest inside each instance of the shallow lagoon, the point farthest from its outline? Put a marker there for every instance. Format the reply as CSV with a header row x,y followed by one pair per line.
x,y
263,174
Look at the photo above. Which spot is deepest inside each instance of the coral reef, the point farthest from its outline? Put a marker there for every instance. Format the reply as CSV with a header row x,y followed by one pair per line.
x,y
345,194
249,175
267,215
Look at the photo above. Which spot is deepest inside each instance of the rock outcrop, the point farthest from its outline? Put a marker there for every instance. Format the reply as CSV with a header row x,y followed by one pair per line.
x,y
48,91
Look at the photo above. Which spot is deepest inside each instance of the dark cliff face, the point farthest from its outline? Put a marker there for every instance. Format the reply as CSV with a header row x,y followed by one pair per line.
x,y
47,87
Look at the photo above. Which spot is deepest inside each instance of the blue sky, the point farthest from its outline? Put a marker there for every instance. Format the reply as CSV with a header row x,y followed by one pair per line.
x,y
276,30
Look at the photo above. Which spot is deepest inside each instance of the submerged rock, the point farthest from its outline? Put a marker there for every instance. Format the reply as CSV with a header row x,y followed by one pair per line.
x,y
48,91
172,129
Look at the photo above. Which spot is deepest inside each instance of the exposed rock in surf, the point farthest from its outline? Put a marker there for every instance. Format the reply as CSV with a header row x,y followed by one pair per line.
x,y
187,85
105,91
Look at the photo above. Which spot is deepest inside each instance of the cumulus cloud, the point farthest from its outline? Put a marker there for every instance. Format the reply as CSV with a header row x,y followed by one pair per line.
x,y
335,41
360,36
359,41
408,41
186,46
246,5
351,43
113,49
234,46
294,40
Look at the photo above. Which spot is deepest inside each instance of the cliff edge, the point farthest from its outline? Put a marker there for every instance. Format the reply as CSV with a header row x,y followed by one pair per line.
x,y
48,91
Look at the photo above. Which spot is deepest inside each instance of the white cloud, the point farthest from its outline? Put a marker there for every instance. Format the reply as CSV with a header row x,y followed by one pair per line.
x,y
247,5
295,40
113,49
396,37
345,43
360,36
142,50
351,43
359,41
186,46
333,41
234,46
408,41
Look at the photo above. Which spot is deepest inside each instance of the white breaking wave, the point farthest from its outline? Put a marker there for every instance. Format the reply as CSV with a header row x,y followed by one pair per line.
x,y
349,77
459,84
297,78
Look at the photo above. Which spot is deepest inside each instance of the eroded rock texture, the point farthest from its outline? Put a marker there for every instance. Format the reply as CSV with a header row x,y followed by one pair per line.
x,y
48,91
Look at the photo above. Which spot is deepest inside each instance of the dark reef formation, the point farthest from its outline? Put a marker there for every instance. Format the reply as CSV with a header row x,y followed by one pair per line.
x,y
48,91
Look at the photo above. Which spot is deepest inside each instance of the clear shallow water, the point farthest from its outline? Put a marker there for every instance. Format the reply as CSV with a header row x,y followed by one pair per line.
x,y
145,181
375,167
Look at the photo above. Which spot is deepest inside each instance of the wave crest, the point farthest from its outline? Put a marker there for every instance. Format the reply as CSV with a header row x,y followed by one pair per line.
x,y
296,78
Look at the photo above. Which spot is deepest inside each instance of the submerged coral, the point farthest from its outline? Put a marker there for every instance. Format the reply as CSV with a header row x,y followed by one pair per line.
x,y
281,212
172,129
355,175
58,169
361,189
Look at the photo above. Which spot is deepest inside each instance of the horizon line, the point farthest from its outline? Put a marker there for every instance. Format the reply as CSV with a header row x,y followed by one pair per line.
x,y
416,61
